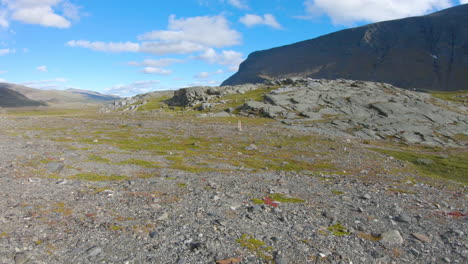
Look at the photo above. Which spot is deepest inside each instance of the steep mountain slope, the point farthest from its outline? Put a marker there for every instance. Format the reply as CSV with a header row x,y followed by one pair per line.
x,y
57,96
427,52
10,98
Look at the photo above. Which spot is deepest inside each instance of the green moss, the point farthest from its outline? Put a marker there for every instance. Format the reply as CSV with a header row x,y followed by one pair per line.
x,y
457,96
158,103
182,185
99,159
4,234
98,177
337,192
338,230
257,201
284,199
256,246
142,163
115,228
236,100
452,167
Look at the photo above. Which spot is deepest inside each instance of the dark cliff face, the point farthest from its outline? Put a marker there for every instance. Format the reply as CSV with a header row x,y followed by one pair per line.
x,y
428,52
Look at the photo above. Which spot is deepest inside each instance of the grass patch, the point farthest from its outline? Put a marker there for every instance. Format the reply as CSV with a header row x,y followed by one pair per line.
x,y
338,230
99,159
256,246
284,199
456,97
451,167
257,201
142,163
98,177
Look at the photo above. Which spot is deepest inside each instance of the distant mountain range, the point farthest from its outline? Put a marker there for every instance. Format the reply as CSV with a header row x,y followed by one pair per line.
x,y
427,52
13,95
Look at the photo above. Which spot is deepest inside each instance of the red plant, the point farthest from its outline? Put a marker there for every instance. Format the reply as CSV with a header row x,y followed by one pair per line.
x,y
269,201
456,214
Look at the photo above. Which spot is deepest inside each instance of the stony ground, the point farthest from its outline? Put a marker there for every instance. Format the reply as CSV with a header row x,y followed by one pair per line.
x,y
172,188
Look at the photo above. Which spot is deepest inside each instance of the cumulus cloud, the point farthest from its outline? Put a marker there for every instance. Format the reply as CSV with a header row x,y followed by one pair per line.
x,y
155,63
3,18
56,83
2,80
6,51
114,47
183,36
238,3
165,48
208,31
225,57
39,12
42,68
155,70
251,20
137,87
463,2
206,75
350,11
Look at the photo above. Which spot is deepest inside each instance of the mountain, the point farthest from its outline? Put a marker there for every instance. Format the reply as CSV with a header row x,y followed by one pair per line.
x,y
48,97
427,52
10,98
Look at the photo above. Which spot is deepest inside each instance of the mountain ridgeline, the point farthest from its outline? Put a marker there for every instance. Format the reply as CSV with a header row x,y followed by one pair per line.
x,y
427,52
14,95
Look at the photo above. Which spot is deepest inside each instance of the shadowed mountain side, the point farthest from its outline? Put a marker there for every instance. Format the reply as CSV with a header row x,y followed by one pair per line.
x,y
427,52
9,98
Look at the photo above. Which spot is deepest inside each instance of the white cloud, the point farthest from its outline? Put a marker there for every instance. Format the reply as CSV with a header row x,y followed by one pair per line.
x,y
463,2
239,4
225,57
137,87
155,63
39,12
208,31
155,70
206,75
251,20
46,84
3,18
42,68
105,46
349,11
6,51
164,48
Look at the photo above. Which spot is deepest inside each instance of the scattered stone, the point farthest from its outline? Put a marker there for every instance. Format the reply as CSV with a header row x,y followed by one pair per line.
x,y
251,147
21,258
164,216
391,237
403,218
366,196
94,251
422,238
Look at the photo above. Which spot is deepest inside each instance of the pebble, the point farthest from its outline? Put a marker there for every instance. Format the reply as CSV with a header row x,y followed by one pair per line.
x,y
391,237
251,147
422,238
163,216
366,196
403,218
94,251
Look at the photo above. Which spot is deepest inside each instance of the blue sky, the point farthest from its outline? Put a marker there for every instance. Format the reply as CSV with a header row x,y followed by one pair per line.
x,y
131,47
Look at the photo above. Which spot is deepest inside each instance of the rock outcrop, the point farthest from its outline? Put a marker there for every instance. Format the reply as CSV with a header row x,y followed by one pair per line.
x,y
428,52
365,110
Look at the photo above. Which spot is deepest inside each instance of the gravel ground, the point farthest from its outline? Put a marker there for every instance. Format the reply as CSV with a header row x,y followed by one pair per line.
x,y
209,202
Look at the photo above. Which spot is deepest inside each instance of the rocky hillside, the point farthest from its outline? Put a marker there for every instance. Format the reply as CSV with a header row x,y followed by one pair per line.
x,y
10,98
344,108
54,97
428,52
